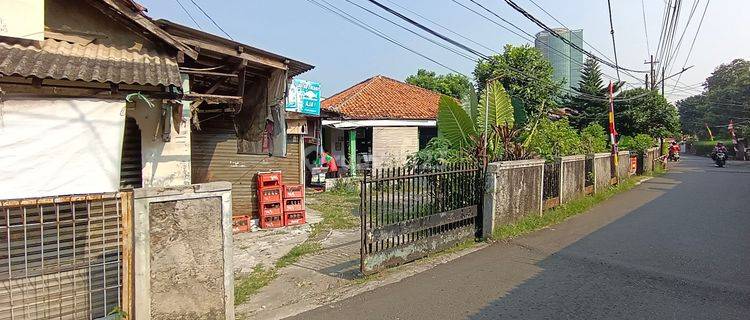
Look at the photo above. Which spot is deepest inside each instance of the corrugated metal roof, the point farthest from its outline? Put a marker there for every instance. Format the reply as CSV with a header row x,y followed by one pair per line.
x,y
90,62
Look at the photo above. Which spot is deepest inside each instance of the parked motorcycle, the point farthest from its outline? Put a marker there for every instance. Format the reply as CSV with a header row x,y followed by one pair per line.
x,y
720,159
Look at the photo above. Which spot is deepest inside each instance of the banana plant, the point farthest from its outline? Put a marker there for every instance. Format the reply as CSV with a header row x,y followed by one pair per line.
x,y
488,128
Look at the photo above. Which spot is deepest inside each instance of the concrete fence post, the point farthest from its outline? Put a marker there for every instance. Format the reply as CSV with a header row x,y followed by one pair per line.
x,y
572,177
513,189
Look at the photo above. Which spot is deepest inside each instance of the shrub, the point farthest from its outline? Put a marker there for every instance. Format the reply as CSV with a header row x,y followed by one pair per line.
x,y
555,139
593,139
639,144
438,152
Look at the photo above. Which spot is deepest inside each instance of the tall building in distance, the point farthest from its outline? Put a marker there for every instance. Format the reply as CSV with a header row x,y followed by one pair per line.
x,y
566,60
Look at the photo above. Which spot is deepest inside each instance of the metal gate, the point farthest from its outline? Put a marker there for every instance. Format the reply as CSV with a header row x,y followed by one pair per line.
x,y
61,257
407,213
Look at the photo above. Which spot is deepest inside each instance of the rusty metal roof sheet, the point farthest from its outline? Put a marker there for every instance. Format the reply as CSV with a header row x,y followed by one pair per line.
x,y
62,60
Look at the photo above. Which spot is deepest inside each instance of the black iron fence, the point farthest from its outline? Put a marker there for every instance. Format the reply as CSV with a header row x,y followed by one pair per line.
x,y
408,212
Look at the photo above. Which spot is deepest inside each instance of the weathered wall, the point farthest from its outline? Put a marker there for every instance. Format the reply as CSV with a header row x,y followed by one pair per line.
x,y
335,144
573,177
602,171
392,145
165,164
215,158
623,168
513,190
187,280
183,252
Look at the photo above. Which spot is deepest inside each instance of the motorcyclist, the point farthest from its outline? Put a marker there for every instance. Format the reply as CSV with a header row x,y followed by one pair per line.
x,y
718,148
674,150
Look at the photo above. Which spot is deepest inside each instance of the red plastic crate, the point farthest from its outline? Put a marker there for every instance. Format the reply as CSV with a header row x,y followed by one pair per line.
x,y
269,195
294,191
269,179
240,224
294,205
271,209
294,218
272,221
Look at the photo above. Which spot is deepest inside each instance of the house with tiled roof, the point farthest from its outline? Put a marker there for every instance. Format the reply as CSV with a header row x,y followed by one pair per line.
x,y
378,123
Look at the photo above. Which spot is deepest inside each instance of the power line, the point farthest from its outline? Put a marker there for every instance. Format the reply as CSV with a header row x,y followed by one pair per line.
x,y
566,27
530,36
563,39
694,38
365,26
211,19
443,27
612,32
645,27
413,32
189,15
687,24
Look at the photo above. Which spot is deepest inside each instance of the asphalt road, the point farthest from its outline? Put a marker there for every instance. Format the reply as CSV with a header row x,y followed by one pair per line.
x,y
675,247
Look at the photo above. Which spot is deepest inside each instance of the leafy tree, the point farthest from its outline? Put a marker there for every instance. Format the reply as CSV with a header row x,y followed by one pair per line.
x,y
555,139
645,111
590,101
593,139
535,88
726,96
452,84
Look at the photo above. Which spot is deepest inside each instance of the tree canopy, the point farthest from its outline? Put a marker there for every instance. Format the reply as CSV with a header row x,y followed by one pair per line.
x,y
645,111
451,84
589,110
726,96
535,87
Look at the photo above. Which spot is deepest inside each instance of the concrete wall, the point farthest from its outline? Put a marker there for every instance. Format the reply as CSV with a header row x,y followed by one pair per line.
x,y
623,168
165,164
335,144
513,190
392,145
573,177
602,171
183,252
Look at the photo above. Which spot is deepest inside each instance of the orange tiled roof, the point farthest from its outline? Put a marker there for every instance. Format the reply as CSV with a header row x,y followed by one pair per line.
x,y
384,98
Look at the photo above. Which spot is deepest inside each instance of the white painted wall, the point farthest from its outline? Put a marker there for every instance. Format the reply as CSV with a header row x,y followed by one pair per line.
x,y
164,163
392,145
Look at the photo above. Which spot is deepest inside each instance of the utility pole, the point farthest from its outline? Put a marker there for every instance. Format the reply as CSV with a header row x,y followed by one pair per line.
x,y
652,72
664,79
647,84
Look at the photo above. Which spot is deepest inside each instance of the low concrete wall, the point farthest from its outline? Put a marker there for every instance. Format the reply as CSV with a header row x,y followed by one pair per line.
x,y
572,177
602,171
513,190
623,167
183,252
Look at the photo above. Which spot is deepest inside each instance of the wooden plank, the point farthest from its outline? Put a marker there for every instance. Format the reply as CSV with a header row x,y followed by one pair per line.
x,y
213,98
419,224
209,73
258,59
127,252
373,262
147,24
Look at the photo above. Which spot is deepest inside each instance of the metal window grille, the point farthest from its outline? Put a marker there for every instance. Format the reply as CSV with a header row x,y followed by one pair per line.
x,y
60,258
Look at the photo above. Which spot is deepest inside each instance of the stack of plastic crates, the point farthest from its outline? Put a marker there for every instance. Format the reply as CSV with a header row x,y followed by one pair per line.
x,y
294,204
270,204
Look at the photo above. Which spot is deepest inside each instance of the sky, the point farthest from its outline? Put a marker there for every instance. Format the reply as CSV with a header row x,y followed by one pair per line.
x,y
344,54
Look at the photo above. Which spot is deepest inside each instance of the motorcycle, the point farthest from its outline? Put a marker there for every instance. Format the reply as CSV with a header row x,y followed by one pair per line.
x,y
720,159
674,156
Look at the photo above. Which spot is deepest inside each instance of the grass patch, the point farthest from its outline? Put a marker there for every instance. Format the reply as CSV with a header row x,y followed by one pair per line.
x,y
246,286
561,213
337,209
297,252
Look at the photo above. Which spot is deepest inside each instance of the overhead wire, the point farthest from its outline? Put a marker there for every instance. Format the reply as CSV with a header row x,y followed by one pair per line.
x,y
645,27
351,19
189,15
211,19
692,44
536,21
530,37
612,32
